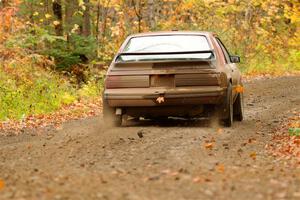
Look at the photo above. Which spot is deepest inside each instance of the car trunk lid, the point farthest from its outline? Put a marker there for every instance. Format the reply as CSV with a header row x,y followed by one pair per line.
x,y
163,74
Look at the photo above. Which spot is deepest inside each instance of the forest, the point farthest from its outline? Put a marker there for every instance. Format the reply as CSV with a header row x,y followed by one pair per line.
x,y
54,53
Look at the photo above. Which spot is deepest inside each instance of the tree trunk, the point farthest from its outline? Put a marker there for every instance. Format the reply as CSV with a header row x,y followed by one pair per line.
x,y
86,28
70,8
57,11
137,5
151,19
47,5
97,27
104,23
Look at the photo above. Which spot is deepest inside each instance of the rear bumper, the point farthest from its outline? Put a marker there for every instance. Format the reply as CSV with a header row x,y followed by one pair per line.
x,y
135,97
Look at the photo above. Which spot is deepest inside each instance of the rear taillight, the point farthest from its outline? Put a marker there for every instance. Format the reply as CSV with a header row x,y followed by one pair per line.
x,y
127,81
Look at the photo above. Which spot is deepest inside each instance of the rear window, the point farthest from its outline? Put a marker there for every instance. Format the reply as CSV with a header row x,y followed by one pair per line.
x,y
165,44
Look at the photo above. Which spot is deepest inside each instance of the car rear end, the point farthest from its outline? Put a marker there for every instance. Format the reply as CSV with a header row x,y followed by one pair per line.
x,y
164,82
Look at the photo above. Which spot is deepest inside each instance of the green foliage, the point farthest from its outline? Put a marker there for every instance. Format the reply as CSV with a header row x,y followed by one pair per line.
x,y
38,94
32,38
93,86
91,89
65,52
27,88
77,49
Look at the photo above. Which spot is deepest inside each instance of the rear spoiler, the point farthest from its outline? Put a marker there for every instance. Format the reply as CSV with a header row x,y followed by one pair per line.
x,y
162,53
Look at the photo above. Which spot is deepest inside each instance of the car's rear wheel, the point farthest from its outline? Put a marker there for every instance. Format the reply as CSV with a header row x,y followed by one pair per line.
x,y
109,115
228,107
238,107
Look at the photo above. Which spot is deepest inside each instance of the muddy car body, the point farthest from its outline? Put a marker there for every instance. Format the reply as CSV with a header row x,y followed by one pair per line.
x,y
165,74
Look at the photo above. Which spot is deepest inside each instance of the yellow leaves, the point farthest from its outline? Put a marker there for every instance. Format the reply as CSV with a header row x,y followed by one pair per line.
x,y
115,31
79,12
75,28
82,5
117,7
56,23
35,13
295,17
189,4
48,16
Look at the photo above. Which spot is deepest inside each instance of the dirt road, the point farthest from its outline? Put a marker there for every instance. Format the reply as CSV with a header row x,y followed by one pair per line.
x,y
173,160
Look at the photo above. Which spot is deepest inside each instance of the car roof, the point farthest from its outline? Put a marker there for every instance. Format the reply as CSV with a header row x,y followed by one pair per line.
x,y
205,33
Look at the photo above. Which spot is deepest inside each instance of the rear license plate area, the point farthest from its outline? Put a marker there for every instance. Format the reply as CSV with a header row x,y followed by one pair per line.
x,y
162,81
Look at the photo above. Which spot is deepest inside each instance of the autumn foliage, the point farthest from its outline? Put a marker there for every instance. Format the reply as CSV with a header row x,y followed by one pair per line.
x,y
264,32
61,40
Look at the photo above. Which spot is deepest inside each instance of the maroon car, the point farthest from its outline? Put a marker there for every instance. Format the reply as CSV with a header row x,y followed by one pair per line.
x,y
173,74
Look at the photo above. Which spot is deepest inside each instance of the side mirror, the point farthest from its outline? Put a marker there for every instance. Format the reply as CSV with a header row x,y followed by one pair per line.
x,y
235,59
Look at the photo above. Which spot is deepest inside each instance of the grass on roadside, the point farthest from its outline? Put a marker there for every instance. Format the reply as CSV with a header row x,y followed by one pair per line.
x,y
28,88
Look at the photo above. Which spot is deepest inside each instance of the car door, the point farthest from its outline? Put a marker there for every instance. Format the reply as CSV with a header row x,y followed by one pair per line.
x,y
232,66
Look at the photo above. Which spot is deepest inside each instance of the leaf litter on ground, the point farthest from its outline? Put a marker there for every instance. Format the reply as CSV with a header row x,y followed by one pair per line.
x,y
285,143
78,110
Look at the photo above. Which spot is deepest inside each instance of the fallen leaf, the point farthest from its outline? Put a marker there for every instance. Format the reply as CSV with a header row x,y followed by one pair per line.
x,y
152,178
197,179
253,155
220,168
220,130
166,171
209,145
174,173
207,180
1,184
251,140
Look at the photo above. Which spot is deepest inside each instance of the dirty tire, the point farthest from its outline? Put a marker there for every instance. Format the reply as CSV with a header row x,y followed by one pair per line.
x,y
109,116
238,107
228,106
